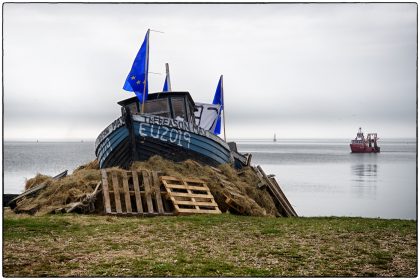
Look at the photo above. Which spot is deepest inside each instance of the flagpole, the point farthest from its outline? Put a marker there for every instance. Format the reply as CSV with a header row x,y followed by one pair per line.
x,y
167,77
223,102
147,69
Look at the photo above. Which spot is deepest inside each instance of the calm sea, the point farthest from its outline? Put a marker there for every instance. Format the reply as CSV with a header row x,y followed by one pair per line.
x,y
319,177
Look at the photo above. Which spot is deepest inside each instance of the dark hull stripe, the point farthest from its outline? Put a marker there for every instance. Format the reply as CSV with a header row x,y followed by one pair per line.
x,y
152,147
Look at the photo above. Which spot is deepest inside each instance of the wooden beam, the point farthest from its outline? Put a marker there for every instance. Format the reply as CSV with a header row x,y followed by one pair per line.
x,y
148,191
126,193
137,191
105,189
116,188
156,186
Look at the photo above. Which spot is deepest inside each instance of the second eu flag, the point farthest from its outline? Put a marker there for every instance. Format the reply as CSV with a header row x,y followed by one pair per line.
x,y
165,86
218,99
137,78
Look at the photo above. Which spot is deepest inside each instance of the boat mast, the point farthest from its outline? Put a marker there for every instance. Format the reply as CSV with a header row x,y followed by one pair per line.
x,y
223,102
147,70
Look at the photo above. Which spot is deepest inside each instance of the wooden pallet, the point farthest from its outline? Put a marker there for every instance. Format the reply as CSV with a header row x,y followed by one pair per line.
x,y
231,198
190,196
133,193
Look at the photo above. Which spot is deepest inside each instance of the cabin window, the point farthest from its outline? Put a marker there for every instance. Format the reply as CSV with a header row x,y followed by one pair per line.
x,y
158,107
178,108
133,107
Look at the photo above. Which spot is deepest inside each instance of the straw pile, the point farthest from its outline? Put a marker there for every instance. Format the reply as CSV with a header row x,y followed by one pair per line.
x,y
82,181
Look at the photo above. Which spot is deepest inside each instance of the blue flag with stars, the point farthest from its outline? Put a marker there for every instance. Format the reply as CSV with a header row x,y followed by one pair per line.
x,y
165,86
137,78
218,99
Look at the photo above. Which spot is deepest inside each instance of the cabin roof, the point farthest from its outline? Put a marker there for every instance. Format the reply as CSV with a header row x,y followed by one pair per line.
x,y
159,95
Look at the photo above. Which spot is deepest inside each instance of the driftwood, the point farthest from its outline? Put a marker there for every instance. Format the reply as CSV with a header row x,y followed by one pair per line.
x,y
274,189
34,190
86,205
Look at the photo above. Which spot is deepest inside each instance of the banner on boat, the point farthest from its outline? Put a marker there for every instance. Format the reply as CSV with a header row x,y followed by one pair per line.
x,y
207,115
178,124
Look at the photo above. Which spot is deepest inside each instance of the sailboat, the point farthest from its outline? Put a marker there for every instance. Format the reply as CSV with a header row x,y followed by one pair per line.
x,y
274,140
167,123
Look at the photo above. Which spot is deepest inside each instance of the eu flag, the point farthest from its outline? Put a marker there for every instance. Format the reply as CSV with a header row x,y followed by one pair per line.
x,y
165,86
218,99
137,78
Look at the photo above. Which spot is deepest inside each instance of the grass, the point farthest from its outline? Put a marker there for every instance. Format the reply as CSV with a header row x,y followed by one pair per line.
x,y
206,245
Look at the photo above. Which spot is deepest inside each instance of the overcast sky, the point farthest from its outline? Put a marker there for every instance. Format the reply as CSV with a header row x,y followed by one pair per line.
x,y
297,70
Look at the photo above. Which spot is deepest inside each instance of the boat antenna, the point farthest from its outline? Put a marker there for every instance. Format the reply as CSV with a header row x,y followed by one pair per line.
x,y
223,102
157,31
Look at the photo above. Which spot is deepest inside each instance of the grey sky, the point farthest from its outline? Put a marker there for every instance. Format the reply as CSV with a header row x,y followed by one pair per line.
x,y
297,70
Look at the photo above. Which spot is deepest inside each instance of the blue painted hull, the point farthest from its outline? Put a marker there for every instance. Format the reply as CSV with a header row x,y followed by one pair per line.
x,y
119,145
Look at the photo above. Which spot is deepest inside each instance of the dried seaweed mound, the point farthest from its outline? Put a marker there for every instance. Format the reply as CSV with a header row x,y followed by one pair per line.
x,y
58,193
253,201
223,182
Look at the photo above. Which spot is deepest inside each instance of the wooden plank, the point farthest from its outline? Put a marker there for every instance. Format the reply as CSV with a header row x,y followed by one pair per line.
x,y
192,195
187,187
181,182
194,203
200,211
192,198
276,191
115,186
126,193
156,185
148,190
137,191
141,192
105,189
273,180
169,194
192,180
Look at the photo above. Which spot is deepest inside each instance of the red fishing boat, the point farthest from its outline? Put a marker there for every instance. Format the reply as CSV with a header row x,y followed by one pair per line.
x,y
360,144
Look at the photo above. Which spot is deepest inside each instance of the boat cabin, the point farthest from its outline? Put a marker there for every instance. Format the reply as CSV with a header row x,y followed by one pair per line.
x,y
175,105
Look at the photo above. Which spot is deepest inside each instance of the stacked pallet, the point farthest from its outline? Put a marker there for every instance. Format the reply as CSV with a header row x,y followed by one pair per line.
x,y
190,196
133,193
146,192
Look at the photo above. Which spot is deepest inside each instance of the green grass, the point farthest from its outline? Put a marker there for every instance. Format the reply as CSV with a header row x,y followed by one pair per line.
x,y
207,245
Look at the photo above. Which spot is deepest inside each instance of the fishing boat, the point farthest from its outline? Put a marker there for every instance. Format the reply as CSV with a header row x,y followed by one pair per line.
x,y
167,123
360,144
167,127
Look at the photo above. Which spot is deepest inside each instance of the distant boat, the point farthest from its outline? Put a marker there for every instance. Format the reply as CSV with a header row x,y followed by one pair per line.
x,y
274,140
360,144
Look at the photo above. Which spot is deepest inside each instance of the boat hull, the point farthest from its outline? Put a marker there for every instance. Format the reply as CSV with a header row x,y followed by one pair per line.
x,y
143,136
362,148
